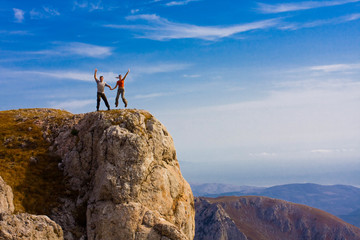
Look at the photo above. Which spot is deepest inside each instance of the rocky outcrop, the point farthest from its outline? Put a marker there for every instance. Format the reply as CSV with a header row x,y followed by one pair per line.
x,y
122,168
264,218
23,225
121,179
6,198
213,223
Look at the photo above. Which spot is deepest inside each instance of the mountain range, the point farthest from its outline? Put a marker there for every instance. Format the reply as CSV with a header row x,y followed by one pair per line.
x,y
342,201
263,218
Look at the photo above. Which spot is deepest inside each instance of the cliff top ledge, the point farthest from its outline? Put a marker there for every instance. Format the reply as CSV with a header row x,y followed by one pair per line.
x,y
99,175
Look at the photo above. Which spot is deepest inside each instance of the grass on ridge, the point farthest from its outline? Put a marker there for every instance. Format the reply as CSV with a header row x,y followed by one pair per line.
x,y
36,186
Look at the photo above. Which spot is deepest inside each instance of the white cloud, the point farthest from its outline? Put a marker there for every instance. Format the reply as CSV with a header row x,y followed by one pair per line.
x,y
289,7
90,5
317,23
51,11
76,48
45,12
63,74
20,32
76,75
81,76
19,15
192,76
84,49
336,67
160,68
152,95
331,151
158,28
179,3
289,121
72,105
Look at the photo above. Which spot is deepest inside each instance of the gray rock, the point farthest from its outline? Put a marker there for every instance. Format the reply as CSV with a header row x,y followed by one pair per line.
x,y
23,226
29,227
6,198
123,166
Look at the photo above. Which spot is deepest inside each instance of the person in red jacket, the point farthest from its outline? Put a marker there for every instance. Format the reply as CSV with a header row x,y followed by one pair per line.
x,y
121,89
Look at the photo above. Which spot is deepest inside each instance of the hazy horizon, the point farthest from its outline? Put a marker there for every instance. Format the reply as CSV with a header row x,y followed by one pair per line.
x,y
253,93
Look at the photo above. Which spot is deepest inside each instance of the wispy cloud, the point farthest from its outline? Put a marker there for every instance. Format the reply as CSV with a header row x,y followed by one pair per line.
x,y
18,15
179,3
45,12
151,95
90,5
331,151
301,116
74,75
317,23
158,28
19,32
84,49
76,48
68,74
289,7
192,75
71,105
336,67
160,68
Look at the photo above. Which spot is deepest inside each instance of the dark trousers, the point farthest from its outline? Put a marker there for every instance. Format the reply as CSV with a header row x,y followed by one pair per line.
x,y
99,96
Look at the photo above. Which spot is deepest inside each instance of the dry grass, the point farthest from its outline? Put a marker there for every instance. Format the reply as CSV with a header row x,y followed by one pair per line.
x,y
36,186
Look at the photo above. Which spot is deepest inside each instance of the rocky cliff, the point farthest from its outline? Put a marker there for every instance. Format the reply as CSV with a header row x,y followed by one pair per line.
x,y
262,218
23,225
121,178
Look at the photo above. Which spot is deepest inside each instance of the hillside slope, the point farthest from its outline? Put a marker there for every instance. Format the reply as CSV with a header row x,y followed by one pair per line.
x,y
341,200
262,218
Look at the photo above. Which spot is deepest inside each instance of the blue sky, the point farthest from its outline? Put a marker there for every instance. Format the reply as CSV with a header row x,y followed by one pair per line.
x,y
253,92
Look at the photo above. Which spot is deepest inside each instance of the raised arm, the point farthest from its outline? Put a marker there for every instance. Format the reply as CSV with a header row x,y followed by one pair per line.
x,y
126,74
95,75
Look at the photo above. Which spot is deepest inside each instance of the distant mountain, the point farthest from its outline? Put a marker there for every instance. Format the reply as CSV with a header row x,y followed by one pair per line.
x,y
341,200
209,189
262,218
353,218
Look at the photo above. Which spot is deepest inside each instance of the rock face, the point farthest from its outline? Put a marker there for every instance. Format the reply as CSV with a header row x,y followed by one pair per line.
x,y
6,198
23,226
122,166
264,218
213,223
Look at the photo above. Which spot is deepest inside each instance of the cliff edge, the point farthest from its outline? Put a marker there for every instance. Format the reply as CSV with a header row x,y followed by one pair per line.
x,y
121,178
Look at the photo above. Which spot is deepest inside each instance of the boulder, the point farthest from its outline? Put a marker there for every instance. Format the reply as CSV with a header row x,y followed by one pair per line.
x,y
6,198
124,168
23,226
29,227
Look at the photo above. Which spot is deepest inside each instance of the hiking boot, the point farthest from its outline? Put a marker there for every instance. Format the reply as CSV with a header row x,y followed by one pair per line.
x,y
126,104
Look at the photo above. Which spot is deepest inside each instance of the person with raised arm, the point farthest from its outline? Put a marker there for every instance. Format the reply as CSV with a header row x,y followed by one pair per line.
x,y
121,90
101,91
